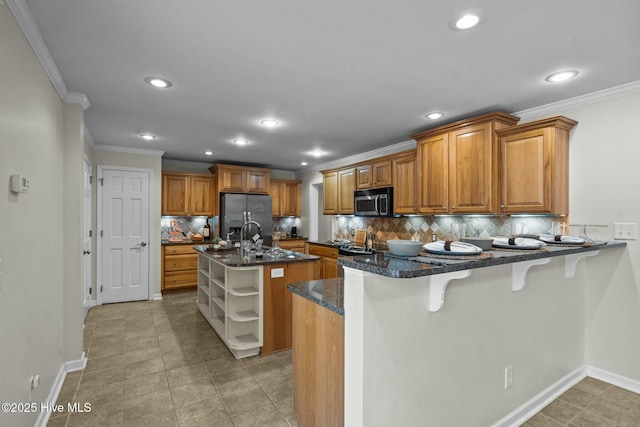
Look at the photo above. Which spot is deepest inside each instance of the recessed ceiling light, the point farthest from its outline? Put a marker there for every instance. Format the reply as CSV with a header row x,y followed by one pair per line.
x,y
240,141
561,76
158,82
317,153
209,153
147,136
467,21
304,163
269,123
435,115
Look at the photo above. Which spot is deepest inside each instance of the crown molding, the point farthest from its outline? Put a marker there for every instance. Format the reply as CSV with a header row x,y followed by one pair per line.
x,y
27,23
130,150
579,101
379,152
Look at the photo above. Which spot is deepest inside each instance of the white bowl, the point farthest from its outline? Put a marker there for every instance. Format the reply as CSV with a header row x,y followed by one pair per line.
x,y
404,247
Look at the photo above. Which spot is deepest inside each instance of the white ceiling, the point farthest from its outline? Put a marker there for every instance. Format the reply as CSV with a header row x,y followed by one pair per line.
x,y
342,76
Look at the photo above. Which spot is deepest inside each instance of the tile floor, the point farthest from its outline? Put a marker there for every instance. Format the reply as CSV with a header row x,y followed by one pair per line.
x,y
591,403
158,363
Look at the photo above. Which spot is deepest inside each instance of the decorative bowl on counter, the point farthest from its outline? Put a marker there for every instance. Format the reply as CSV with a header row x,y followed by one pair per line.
x,y
483,243
404,247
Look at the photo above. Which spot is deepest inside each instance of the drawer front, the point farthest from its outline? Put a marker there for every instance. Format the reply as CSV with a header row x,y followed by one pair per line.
x,y
292,245
179,250
180,262
323,251
180,279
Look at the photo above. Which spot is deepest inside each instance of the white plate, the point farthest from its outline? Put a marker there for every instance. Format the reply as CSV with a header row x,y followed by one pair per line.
x,y
499,245
435,249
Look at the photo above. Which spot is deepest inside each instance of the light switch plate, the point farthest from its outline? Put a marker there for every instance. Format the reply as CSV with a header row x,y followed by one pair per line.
x,y
277,272
625,231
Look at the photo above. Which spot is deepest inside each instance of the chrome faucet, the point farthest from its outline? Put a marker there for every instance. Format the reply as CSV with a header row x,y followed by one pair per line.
x,y
242,231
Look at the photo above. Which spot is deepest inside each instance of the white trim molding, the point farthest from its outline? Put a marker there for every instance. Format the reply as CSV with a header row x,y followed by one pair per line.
x,y
130,150
27,23
578,101
615,379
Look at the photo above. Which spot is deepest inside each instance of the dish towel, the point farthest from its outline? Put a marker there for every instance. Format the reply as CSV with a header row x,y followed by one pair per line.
x,y
561,239
518,241
453,247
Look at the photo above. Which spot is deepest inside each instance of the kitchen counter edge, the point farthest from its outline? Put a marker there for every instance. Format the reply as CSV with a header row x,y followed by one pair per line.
x,y
231,258
329,293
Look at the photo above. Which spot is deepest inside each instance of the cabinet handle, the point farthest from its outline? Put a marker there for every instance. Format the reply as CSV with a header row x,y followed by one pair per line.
x,y
453,207
174,263
501,206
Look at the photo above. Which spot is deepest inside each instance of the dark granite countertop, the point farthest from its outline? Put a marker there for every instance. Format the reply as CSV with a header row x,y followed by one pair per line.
x,y
387,265
186,242
328,293
232,258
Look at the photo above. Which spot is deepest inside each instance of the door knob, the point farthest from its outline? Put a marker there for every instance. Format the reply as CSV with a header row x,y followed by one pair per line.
x,y
143,244
86,252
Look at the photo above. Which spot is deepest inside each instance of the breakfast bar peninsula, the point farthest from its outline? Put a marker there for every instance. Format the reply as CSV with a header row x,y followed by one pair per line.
x,y
432,341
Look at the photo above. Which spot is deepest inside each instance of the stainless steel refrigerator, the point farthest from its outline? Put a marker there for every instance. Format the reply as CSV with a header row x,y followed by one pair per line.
x,y
236,208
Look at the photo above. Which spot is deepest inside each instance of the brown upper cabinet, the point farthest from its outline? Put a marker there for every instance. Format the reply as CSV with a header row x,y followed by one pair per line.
x,y
404,172
457,165
534,167
286,197
187,194
241,179
374,175
338,187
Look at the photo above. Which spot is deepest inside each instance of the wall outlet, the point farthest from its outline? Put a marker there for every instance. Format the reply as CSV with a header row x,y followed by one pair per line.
x,y
353,232
625,231
508,376
277,272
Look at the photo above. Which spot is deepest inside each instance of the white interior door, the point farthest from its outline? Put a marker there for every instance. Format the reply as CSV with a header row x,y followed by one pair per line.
x,y
125,234
86,235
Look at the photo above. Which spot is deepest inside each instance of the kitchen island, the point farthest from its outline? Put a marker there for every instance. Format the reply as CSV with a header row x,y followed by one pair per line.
x,y
430,341
244,298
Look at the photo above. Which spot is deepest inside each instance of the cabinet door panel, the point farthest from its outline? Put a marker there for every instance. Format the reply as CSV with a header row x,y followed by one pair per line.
x,y
175,195
330,193
329,268
346,187
291,199
364,177
201,197
404,185
433,174
470,166
525,172
381,173
232,180
276,193
257,181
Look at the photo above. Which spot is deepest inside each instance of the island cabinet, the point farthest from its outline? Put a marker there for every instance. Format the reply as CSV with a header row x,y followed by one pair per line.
x,y
185,194
179,267
374,175
404,171
328,267
286,197
457,166
534,166
338,188
318,364
277,305
241,179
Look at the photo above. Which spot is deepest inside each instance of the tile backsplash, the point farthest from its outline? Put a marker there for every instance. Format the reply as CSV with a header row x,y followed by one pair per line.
x,y
195,224
423,227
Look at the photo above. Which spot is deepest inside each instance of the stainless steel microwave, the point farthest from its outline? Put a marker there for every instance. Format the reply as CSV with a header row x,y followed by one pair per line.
x,y
374,202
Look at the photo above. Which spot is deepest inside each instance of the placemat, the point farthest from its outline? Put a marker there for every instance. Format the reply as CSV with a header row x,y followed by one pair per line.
x,y
480,256
576,245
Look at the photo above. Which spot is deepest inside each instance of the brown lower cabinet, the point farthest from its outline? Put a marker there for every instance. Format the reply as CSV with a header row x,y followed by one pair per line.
x,y
328,261
277,327
179,267
318,364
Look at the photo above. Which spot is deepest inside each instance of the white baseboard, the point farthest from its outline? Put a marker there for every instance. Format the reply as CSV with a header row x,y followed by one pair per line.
x,y
156,297
65,368
615,379
542,399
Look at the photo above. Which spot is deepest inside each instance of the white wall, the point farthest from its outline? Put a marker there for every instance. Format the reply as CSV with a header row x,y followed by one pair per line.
x,y
105,156
604,176
40,288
